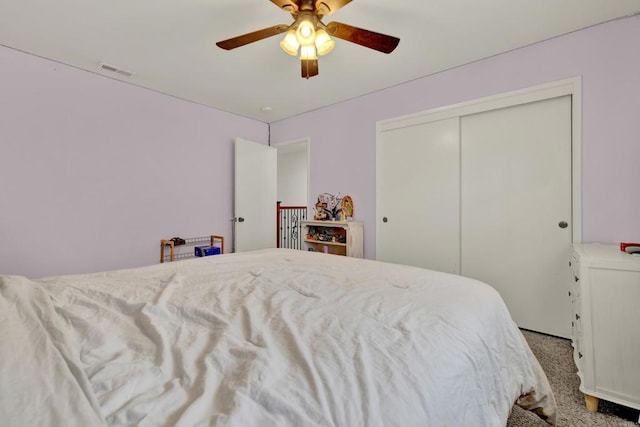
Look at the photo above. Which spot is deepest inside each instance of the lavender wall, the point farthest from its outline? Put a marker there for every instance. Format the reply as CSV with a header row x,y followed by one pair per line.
x,y
606,56
94,172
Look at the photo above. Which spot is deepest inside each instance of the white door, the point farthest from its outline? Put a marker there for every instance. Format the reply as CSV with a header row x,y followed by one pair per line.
x,y
417,195
255,187
516,208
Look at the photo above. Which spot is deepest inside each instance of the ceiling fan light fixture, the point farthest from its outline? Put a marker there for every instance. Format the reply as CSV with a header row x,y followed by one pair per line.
x,y
290,43
324,44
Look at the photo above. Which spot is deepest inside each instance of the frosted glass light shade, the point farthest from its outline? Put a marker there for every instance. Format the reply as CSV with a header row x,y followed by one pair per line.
x,y
308,52
290,43
324,44
306,33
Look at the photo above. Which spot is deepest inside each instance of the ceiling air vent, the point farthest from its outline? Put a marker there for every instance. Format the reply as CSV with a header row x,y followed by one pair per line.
x,y
112,69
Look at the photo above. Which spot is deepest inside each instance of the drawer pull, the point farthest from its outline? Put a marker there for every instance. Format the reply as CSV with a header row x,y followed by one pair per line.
x,y
577,317
579,355
569,293
576,278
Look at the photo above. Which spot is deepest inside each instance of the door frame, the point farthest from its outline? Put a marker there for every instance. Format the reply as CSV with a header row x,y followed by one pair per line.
x,y
571,86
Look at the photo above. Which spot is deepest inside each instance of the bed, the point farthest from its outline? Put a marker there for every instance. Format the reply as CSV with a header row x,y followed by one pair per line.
x,y
275,337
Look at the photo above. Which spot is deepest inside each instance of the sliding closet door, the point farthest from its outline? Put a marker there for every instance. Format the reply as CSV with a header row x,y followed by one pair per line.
x,y
516,208
417,195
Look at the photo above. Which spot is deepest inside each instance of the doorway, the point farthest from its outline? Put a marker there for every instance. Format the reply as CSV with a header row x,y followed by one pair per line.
x,y
293,192
293,172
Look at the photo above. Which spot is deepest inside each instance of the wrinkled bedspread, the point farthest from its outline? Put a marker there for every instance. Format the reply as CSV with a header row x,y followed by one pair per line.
x,y
266,338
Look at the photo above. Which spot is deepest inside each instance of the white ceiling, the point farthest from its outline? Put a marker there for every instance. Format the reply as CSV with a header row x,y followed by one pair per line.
x,y
170,44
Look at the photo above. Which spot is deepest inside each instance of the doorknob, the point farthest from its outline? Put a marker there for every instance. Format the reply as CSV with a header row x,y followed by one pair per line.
x,y
384,219
240,219
563,224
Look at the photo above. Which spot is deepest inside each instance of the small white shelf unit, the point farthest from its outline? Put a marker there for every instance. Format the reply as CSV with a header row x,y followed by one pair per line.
x,y
334,237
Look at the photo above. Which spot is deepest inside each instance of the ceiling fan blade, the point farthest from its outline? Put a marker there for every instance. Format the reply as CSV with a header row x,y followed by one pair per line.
x,y
327,7
380,42
309,68
255,36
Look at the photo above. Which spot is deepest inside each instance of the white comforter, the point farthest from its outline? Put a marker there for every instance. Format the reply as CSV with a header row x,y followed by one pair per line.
x,y
265,338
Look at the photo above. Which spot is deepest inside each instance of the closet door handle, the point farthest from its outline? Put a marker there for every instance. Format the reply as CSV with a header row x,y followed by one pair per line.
x,y
385,219
563,224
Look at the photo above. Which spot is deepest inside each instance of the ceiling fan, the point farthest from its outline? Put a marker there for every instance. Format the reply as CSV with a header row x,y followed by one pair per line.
x,y
310,35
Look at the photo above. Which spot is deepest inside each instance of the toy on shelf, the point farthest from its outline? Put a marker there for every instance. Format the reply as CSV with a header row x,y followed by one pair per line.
x,y
327,234
347,208
328,208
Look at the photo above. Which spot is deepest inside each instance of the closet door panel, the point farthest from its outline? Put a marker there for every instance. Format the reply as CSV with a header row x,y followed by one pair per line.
x,y
418,204
515,192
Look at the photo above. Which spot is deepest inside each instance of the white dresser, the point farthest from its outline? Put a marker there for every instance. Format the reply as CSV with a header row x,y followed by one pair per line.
x,y
605,300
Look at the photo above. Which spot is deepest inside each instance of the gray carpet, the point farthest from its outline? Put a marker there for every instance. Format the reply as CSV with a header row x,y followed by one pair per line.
x,y
556,357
